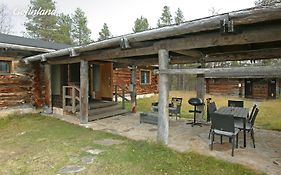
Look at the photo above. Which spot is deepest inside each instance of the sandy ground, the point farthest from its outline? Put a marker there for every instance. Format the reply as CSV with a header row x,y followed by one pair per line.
x,y
266,157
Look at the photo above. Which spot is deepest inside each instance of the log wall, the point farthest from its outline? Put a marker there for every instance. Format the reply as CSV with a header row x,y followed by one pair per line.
x,y
224,86
122,76
16,87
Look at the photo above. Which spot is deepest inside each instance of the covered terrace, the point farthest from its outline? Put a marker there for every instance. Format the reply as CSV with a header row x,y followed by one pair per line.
x,y
248,34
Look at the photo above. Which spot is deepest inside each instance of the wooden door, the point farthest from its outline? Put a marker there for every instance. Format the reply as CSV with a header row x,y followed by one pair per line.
x,y
272,88
248,88
106,81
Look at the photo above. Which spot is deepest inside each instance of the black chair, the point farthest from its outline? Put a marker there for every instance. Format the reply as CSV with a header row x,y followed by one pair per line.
x,y
223,125
195,102
252,112
211,108
235,103
249,125
175,107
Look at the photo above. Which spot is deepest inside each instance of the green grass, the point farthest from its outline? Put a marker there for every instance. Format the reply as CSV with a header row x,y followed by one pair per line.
x,y
35,144
269,116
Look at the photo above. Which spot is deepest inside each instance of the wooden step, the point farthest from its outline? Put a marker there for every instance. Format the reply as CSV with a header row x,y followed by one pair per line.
x,y
104,109
101,104
107,114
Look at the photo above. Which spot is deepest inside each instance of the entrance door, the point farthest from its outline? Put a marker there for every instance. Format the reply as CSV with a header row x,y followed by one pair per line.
x,y
272,89
248,88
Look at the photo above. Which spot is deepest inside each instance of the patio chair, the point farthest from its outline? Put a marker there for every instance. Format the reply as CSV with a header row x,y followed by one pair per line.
x,y
211,108
235,103
175,107
223,125
249,125
252,112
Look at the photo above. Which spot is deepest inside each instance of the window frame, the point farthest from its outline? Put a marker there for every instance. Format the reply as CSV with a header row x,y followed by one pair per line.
x,y
149,78
9,67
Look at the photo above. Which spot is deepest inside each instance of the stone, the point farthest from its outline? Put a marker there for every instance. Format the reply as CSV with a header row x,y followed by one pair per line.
x,y
108,142
88,159
71,169
95,151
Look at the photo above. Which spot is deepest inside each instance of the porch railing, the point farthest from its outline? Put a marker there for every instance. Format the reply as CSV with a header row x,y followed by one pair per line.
x,y
70,97
117,89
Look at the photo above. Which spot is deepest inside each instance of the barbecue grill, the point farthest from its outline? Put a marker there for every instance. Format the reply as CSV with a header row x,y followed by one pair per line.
x,y
195,102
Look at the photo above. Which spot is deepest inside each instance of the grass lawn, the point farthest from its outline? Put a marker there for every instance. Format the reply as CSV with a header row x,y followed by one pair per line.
x,y
269,116
35,144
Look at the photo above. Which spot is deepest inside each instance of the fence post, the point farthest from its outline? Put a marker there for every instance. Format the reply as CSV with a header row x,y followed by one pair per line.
x,y
73,99
123,98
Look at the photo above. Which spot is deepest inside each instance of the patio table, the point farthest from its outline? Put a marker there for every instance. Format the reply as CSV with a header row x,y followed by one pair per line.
x,y
238,113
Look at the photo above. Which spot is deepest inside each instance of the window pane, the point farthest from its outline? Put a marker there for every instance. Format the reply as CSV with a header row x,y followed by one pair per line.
x,y
4,67
145,77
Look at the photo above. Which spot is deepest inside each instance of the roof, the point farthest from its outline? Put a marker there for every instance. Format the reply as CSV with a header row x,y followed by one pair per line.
x,y
241,35
17,40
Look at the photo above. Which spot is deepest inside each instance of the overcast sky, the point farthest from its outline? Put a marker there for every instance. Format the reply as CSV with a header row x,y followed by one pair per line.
x,y
121,14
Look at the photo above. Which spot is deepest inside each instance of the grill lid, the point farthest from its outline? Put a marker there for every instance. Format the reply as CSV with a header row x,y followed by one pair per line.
x,y
195,101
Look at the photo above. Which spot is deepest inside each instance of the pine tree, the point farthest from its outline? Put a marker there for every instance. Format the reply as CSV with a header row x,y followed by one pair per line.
x,y
266,2
104,33
166,17
141,24
179,18
64,29
80,32
41,26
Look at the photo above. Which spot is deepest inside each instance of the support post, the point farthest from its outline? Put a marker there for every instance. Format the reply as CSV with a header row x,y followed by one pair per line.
x,y
163,104
200,90
84,90
134,90
48,89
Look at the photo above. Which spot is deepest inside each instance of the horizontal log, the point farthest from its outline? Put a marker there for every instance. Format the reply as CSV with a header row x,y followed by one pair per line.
x,y
251,71
261,14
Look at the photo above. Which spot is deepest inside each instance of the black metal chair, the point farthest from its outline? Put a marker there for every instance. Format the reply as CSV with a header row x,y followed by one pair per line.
x,y
223,125
211,108
175,107
195,102
252,112
235,103
249,125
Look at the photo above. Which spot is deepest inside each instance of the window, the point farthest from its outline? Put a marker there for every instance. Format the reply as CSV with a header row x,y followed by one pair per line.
x,y
145,77
5,67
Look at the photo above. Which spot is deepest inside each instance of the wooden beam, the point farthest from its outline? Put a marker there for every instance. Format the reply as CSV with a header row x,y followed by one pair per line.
x,y
257,34
134,89
84,92
48,88
200,90
163,108
245,55
249,70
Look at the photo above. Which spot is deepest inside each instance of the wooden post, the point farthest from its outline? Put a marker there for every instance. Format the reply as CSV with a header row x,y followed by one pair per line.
x,y
163,108
84,90
48,89
200,90
133,93
115,92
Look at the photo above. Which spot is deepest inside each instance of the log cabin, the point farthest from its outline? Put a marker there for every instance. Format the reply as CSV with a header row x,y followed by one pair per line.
x,y
22,84
247,34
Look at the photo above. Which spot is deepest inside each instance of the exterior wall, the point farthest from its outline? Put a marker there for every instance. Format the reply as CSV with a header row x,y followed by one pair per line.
x,y
122,76
260,88
224,86
16,87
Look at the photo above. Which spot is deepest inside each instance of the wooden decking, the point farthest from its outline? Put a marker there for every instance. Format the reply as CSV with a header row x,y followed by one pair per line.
x,y
103,109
